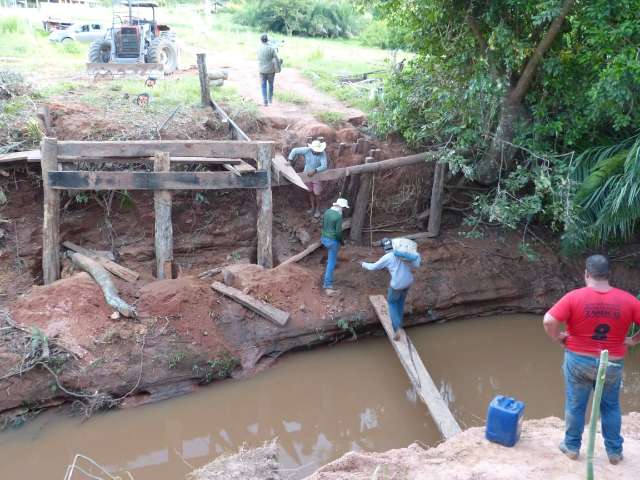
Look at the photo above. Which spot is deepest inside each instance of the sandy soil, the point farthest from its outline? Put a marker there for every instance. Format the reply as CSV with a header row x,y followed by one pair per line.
x,y
469,456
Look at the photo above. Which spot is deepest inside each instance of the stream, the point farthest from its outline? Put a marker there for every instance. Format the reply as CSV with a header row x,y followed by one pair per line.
x,y
320,404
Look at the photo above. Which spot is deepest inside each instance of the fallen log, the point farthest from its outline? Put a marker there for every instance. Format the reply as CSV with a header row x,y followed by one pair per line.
x,y
263,309
210,273
346,224
103,279
118,270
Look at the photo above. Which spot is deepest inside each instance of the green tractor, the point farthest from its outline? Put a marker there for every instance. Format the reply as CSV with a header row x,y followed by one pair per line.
x,y
135,44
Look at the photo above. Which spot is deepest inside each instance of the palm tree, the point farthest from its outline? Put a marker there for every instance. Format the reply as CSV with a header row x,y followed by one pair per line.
x,y
607,199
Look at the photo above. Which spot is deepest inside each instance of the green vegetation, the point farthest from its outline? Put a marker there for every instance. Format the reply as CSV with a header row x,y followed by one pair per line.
x,y
351,324
514,120
312,18
330,118
287,96
175,359
216,369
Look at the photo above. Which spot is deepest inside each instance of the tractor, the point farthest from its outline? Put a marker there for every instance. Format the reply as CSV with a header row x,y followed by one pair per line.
x,y
136,44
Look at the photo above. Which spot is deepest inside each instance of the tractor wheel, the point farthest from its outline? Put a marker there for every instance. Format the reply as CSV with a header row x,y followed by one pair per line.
x,y
163,52
100,51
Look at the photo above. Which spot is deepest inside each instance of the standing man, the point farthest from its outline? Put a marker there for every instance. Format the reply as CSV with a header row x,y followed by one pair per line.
x,y
597,318
332,239
315,161
401,279
267,58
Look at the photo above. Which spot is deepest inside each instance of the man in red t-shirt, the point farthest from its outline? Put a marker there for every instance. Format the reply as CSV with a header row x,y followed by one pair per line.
x,y
597,318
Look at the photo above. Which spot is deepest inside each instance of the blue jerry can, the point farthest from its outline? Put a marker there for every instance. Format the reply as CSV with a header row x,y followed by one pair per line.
x,y
504,420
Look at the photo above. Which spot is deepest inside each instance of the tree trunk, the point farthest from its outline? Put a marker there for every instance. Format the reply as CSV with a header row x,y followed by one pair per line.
x,y
499,158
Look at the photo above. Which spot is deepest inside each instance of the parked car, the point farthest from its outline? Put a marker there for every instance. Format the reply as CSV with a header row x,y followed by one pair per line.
x,y
80,32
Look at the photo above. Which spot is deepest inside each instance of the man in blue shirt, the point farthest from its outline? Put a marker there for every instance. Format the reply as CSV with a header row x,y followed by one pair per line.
x,y
401,280
315,161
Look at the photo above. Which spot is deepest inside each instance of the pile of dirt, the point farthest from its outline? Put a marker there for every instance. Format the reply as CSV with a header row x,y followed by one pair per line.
x,y
248,464
469,456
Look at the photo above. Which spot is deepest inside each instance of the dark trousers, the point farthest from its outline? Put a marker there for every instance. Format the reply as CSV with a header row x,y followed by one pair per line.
x,y
266,80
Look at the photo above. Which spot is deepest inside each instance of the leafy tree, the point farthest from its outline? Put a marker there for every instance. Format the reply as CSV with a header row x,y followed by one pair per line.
x,y
548,75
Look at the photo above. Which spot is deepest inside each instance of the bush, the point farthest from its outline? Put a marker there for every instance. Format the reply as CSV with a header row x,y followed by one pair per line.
x,y
379,34
12,25
312,18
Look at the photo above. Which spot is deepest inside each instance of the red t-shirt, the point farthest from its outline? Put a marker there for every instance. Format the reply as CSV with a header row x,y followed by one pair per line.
x,y
597,321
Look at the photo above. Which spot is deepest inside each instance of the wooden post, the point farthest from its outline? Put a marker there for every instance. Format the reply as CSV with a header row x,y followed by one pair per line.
x,y
205,94
265,207
360,207
164,227
51,214
435,209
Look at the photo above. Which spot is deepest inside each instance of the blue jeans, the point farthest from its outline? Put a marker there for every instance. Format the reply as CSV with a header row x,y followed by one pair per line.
x,y
580,374
266,79
332,245
395,299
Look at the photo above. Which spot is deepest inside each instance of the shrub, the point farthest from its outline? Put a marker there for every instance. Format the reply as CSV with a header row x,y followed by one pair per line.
x,y
378,33
313,18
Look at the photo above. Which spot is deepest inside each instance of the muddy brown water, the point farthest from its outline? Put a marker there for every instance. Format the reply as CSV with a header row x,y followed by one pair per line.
x,y
319,404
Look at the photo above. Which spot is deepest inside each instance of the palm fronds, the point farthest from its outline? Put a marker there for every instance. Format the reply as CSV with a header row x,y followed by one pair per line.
x,y
607,199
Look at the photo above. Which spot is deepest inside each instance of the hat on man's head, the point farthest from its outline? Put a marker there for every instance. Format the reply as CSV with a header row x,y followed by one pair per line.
x,y
341,202
318,146
386,244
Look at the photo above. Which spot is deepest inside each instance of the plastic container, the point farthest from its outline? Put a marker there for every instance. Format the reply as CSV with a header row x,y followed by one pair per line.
x,y
504,420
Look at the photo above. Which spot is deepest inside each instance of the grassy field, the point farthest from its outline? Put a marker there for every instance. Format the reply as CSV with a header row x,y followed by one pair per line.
x,y
55,69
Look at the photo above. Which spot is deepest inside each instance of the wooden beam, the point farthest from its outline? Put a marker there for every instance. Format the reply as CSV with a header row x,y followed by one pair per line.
x,y
265,208
237,132
146,148
34,157
240,169
127,180
163,224
267,311
435,208
116,269
18,156
51,214
336,173
361,205
346,224
205,94
417,372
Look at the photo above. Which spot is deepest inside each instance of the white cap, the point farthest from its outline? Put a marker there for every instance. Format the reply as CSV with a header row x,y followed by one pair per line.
x,y
341,202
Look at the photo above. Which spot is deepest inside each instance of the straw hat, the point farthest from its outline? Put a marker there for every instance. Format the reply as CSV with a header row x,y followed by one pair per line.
x,y
341,202
318,146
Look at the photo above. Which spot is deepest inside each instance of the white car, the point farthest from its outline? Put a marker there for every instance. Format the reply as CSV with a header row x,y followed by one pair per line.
x,y
80,32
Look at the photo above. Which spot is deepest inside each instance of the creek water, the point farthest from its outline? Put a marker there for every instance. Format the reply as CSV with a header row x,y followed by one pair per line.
x,y
319,404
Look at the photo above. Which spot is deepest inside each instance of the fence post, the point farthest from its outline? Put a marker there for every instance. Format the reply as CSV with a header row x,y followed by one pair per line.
x,y
265,207
361,204
205,94
435,209
163,226
51,214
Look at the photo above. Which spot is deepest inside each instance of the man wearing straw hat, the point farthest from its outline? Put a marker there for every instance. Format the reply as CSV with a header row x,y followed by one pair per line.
x,y
315,161
331,238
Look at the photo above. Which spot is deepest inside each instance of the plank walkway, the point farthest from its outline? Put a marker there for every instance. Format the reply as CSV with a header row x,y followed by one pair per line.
x,y
417,372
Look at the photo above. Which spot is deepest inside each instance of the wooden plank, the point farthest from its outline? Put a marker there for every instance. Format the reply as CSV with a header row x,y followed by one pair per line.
x,y
205,94
240,168
361,206
346,224
265,208
163,224
18,156
266,310
118,270
336,173
34,157
282,167
175,148
127,180
435,207
417,372
51,214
